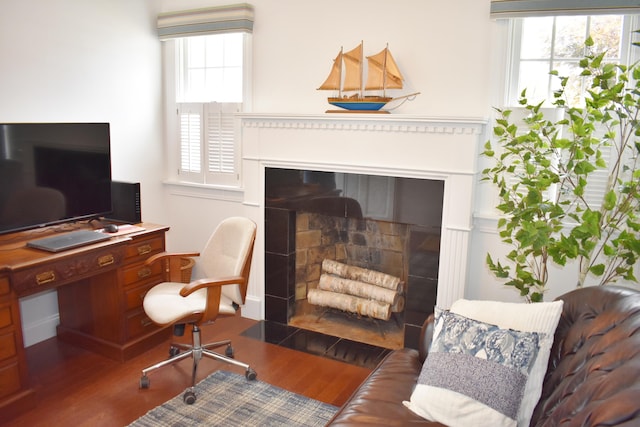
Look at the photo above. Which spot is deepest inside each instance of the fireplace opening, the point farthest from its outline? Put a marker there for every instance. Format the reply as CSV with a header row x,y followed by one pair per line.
x,y
386,227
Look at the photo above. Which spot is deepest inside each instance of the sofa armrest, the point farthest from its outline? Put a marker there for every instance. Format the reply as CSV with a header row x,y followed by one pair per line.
x,y
425,338
378,401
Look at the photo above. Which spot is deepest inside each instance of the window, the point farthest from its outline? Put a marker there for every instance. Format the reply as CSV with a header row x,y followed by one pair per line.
x,y
543,44
209,90
209,87
210,68
206,55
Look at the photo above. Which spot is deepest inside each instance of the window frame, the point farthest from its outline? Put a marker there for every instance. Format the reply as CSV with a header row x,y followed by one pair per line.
x,y
508,94
174,172
514,44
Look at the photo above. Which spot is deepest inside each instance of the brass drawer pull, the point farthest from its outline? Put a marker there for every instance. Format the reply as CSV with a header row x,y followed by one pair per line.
x,y
144,272
105,260
144,249
46,277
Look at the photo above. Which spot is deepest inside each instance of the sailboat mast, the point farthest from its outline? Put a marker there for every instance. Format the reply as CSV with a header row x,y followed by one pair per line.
x,y
384,72
361,68
340,73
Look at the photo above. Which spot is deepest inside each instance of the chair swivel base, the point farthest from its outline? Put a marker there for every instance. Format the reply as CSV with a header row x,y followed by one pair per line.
x,y
196,351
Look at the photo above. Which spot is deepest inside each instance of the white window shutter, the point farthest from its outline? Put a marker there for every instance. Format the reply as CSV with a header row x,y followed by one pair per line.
x,y
190,119
598,179
220,142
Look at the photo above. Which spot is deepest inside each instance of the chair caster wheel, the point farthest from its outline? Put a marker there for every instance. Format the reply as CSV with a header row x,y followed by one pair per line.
x,y
229,351
144,382
189,397
173,351
250,374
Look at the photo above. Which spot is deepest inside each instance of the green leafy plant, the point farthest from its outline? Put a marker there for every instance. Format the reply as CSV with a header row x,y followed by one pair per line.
x,y
542,169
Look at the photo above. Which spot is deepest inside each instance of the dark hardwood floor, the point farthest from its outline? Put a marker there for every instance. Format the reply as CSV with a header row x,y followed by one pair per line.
x,y
78,388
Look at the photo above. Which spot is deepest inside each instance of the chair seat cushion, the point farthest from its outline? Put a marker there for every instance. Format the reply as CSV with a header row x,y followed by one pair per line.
x,y
164,304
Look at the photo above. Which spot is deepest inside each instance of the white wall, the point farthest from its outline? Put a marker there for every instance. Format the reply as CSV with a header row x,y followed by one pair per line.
x,y
441,47
75,60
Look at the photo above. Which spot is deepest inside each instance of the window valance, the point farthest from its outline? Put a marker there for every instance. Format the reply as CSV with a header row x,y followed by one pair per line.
x,y
231,18
521,8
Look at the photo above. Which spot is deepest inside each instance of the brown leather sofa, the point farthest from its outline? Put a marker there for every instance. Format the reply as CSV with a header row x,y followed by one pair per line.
x,y
593,377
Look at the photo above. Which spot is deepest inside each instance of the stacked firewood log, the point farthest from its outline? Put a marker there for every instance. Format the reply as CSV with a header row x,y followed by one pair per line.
x,y
357,290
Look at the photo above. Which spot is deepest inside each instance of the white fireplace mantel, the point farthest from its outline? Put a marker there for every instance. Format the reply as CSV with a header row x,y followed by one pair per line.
x,y
444,149
382,122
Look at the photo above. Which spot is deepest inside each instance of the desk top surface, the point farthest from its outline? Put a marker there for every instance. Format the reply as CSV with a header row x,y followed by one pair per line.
x,y
15,254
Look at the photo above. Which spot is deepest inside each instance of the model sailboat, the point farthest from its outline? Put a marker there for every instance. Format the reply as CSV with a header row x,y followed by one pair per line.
x,y
347,75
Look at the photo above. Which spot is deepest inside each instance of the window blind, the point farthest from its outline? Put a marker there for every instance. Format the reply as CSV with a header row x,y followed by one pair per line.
x,y
524,8
220,137
231,18
190,120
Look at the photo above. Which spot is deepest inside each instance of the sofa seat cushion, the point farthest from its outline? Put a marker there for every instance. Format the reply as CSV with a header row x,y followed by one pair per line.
x,y
378,401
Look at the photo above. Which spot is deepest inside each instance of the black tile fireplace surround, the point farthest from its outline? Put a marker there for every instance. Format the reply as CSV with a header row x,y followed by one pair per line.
x,y
415,202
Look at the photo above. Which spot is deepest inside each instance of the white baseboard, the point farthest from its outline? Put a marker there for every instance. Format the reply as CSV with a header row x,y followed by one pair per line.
x,y
252,308
40,330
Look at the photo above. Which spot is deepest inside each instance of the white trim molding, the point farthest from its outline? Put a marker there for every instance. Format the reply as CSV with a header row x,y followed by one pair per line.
x,y
444,149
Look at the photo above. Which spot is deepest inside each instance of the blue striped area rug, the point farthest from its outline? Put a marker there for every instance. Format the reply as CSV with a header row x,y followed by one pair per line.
x,y
228,399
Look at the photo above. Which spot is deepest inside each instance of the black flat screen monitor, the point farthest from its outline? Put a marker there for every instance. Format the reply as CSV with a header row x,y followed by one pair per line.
x,y
52,173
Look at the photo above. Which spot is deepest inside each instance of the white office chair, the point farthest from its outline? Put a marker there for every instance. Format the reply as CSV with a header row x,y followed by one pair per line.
x,y
226,261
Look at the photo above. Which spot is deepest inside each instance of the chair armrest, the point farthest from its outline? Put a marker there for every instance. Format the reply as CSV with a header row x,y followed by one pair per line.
x,y
168,255
172,263
214,293
190,288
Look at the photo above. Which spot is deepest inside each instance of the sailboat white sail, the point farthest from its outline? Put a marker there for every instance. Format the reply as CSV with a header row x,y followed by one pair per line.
x,y
347,75
383,72
334,80
353,69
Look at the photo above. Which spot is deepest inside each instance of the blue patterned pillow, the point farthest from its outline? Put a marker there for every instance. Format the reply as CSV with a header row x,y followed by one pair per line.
x,y
475,373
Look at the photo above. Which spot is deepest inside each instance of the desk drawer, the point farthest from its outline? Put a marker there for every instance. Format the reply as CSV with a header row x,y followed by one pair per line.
x,y
6,317
55,273
141,273
140,250
135,296
138,323
9,379
4,286
7,346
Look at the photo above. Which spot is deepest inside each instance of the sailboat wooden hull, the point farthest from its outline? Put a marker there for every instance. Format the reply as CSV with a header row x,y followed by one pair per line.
x,y
368,103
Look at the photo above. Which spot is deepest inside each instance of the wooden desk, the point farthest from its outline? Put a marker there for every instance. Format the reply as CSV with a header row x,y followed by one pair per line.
x,y
100,289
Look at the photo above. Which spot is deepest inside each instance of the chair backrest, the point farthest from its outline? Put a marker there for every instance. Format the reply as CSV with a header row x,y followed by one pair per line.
x,y
228,253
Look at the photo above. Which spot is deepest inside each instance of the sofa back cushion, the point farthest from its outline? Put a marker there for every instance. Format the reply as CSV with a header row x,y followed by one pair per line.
x,y
593,376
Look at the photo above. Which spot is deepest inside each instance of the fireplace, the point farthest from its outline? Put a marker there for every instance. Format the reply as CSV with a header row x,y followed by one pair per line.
x,y
442,152
366,223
